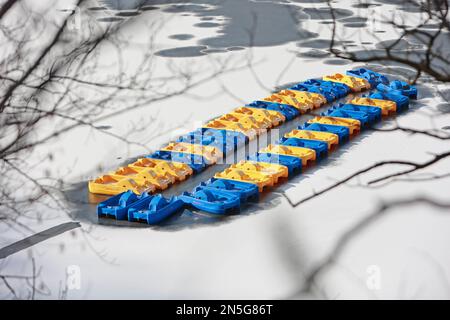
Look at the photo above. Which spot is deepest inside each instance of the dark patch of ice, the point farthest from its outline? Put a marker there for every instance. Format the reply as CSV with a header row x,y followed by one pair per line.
x,y
104,127
109,19
123,5
181,36
214,51
97,8
148,8
127,13
190,51
355,25
309,1
178,8
337,62
365,5
354,19
314,53
235,48
207,25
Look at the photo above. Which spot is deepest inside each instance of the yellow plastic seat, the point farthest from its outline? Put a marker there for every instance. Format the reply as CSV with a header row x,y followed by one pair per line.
x,y
247,121
352,124
160,181
232,126
303,107
274,170
387,106
328,137
110,185
179,170
273,116
211,154
306,97
305,154
356,84
261,180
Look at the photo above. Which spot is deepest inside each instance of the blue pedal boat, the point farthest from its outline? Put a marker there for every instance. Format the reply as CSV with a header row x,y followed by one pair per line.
x,y
293,164
225,140
374,113
342,131
400,87
327,92
360,116
373,77
320,147
288,111
340,90
401,101
117,206
197,162
154,209
239,137
245,191
212,201
225,146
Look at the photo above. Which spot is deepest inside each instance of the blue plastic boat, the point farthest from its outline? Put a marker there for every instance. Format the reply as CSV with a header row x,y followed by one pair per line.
x,y
197,162
117,206
361,116
222,133
224,145
320,147
154,209
212,201
401,101
293,164
245,191
191,137
327,92
288,111
342,131
373,113
340,90
399,87
373,77
225,140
